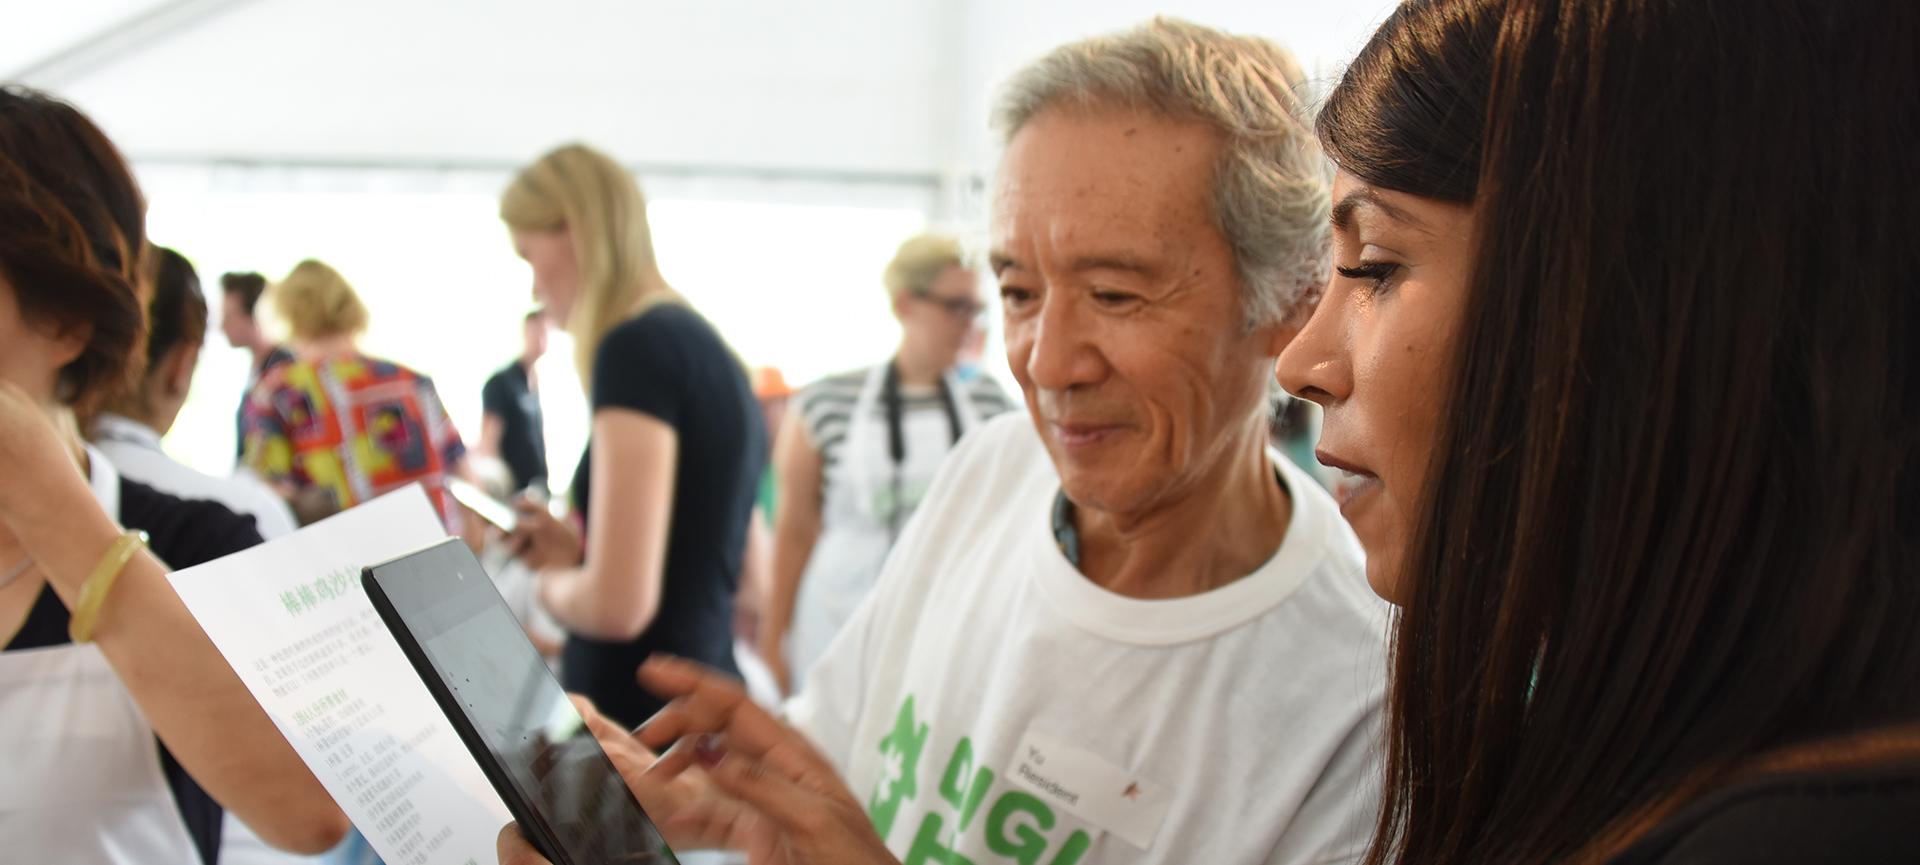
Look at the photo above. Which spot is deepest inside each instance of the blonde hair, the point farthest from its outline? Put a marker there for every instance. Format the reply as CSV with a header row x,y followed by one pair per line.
x,y
600,205
317,303
919,262
1270,194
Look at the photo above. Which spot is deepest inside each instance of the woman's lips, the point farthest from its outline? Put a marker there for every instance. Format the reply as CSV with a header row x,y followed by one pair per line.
x,y
1354,488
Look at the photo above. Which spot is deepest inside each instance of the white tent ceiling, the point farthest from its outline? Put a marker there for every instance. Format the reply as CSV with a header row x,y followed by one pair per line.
x,y
894,90
786,147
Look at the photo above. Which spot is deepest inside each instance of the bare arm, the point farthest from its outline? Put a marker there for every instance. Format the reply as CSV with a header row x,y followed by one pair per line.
x,y
196,704
796,527
615,593
492,429
756,577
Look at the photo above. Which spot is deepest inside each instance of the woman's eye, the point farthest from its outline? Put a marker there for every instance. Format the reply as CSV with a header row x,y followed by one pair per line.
x,y
1375,272
1013,296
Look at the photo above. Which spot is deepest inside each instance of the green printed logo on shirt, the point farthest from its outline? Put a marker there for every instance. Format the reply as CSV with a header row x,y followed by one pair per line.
x,y
1017,825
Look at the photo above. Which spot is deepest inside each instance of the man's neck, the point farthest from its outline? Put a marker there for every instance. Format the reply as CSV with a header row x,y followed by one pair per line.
x,y
260,350
1223,529
533,376
148,418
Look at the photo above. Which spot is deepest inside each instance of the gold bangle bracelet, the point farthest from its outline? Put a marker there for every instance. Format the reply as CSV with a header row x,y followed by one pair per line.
x,y
93,592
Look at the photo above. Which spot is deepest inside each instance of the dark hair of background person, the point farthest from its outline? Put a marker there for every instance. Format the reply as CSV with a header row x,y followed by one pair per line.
x,y
72,233
177,315
249,285
1671,521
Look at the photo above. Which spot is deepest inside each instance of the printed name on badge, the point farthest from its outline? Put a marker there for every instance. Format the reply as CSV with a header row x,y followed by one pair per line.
x,y
1126,805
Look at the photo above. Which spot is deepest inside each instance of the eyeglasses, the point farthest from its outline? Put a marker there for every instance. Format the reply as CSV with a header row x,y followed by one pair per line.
x,y
961,308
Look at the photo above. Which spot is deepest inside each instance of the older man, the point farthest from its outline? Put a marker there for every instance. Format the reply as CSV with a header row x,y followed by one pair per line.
x,y
1121,629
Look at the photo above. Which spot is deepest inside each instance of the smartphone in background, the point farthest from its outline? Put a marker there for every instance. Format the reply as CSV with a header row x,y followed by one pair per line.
x,y
511,713
493,510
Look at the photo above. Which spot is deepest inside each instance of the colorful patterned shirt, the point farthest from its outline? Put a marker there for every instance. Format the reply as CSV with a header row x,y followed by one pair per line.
x,y
354,425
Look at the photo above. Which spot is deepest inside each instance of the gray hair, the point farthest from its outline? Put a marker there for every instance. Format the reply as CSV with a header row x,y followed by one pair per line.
x,y
1270,194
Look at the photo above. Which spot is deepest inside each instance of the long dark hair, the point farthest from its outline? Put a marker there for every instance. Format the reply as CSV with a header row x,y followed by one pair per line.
x,y
1674,517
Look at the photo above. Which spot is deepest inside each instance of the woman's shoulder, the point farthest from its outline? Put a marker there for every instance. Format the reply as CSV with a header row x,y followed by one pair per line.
x,y
666,319
1859,816
663,331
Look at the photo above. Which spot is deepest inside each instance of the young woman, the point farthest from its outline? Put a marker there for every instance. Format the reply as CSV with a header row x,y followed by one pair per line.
x,y
98,657
1619,352
1621,347
668,481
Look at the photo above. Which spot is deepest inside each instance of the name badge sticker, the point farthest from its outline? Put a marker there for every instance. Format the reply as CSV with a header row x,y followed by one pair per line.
x,y
1126,805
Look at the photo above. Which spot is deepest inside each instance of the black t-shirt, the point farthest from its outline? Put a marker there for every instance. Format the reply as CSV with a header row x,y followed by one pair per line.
x,y
671,365
523,439
182,533
1861,817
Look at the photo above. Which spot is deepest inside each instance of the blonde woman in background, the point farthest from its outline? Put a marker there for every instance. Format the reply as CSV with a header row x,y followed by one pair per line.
x,y
649,559
862,450
335,427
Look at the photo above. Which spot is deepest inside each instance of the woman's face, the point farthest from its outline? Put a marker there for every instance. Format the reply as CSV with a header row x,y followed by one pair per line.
x,y
31,354
1375,356
556,270
938,323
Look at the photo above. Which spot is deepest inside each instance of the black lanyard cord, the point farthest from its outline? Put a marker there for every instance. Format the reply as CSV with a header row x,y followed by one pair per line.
x,y
897,434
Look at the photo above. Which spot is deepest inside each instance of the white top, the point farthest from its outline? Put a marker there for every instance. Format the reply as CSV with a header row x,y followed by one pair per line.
x,y
989,700
135,450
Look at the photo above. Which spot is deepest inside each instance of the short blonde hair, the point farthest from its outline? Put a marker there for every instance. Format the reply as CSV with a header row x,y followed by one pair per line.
x,y
317,302
1271,189
919,262
600,205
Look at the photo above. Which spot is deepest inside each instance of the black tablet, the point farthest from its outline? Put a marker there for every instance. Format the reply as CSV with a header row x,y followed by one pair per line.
x,y
509,710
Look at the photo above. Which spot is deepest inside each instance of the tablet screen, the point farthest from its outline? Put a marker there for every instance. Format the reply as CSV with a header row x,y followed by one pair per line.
x,y
502,686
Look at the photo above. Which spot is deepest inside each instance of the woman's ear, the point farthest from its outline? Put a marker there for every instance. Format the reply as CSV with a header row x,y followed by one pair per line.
x,y
68,342
177,367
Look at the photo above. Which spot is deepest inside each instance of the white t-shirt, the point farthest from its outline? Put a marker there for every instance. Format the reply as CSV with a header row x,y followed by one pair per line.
x,y
989,701
134,448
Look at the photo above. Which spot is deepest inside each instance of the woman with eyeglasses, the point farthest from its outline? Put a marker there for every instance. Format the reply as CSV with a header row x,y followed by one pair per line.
x,y
860,448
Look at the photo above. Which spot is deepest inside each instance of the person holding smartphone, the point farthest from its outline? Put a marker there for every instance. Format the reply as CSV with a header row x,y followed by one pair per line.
x,y
650,559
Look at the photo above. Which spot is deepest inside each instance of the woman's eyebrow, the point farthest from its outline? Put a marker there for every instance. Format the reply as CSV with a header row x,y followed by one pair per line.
x,y
1343,212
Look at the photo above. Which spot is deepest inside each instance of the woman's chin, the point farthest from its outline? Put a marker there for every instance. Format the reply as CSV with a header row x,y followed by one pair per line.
x,y
1383,574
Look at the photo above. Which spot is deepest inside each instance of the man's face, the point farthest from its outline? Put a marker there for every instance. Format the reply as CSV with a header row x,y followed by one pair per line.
x,y
1124,320
236,323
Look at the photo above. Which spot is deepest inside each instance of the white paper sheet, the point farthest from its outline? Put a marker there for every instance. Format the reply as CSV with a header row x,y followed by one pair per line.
x,y
291,618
